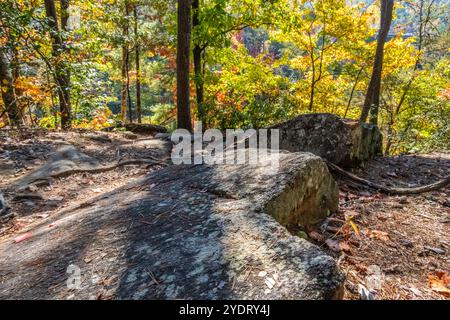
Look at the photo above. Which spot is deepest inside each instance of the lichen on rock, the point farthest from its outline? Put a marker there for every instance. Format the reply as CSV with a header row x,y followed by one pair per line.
x,y
344,142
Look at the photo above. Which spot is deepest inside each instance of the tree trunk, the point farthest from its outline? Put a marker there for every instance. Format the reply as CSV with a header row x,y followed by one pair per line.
x,y
64,14
66,112
372,99
313,80
138,68
311,96
183,51
197,53
129,104
7,89
124,75
61,68
123,90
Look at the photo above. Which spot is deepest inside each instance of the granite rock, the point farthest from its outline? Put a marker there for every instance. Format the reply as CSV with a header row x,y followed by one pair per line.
x,y
184,232
344,142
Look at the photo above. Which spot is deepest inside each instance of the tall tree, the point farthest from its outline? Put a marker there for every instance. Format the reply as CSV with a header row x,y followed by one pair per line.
x,y
7,88
372,99
183,52
138,66
124,92
66,112
61,67
197,53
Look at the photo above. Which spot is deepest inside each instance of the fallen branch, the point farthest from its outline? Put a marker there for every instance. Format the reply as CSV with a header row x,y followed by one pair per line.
x,y
388,190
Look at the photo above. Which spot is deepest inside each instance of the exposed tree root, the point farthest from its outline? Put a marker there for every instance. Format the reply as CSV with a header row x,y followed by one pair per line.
x,y
106,168
70,172
388,190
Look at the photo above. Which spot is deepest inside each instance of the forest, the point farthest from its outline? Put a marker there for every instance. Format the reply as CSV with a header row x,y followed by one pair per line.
x,y
95,93
87,64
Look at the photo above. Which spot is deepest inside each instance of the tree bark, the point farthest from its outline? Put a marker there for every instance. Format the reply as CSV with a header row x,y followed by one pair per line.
x,y
197,53
66,112
61,68
372,99
64,14
183,51
129,103
123,90
138,68
7,89
124,75
311,96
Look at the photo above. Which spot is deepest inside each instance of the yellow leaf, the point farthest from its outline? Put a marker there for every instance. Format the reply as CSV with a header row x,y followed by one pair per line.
x,y
353,225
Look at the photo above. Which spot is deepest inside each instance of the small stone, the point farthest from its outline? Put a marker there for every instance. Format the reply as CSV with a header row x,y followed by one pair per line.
x,y
364,293
262,274
268,283
403,200
407,243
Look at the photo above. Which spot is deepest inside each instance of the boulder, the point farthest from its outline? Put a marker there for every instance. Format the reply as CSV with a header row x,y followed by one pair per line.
x,y
185,232
344,142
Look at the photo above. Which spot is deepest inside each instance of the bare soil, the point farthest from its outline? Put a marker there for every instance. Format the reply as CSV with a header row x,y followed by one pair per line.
x,y
407,238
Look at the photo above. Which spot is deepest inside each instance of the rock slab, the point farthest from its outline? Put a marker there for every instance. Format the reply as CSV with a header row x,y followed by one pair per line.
x,y
184,232
344,142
